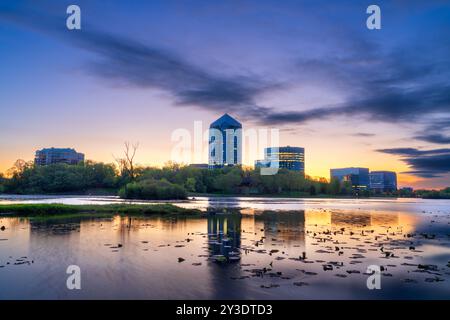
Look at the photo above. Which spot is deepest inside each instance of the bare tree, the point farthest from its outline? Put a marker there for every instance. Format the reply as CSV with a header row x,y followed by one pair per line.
x,y
126,164
130,152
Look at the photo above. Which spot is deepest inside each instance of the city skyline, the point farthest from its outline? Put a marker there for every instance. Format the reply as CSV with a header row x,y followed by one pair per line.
x,y
374,99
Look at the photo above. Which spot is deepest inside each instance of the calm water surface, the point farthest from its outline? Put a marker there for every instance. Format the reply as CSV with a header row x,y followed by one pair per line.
x,y
256,255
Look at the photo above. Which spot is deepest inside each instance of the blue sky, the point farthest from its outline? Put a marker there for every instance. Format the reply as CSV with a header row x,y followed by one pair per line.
x,y
137,71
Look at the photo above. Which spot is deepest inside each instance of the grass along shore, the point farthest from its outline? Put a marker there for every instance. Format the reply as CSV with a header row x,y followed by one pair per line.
x,y
54,209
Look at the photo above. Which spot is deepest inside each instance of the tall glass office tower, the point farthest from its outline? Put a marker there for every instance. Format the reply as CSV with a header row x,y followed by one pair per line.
x,y
291,158
225,142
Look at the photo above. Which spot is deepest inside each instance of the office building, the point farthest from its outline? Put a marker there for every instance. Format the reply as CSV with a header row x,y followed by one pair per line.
x,y
358,177
57,155
225,142
291,158
383,181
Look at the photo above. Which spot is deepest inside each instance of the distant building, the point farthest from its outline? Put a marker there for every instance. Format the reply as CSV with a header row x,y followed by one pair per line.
x,y
358,177
262,164
225,142
383,181
56,155
199,165
291,158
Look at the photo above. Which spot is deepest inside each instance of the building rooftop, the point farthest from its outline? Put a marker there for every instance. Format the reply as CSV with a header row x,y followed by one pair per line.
x,y
226,121
58,149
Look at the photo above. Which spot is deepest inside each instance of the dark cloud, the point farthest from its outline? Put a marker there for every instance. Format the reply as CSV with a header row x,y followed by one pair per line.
x,y
390,87
423,163
363,134
430,166
438,132
434,138
147,67
423,174
132,63
413,151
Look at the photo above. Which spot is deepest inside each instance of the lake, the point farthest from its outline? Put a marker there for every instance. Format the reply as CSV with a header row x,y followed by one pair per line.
x,y
274,249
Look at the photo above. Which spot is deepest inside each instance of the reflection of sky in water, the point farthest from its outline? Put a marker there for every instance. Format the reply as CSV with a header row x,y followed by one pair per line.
x,y
146,266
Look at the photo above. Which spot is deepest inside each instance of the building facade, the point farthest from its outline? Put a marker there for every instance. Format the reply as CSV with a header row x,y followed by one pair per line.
x,y
225,142
358,177
49,156
291,158
383,181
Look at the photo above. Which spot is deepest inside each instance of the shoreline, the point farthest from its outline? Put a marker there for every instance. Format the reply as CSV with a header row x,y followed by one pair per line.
x,y
209,195
53,209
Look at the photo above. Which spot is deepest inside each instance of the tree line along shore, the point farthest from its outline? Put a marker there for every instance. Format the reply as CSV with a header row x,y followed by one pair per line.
x,y
175,181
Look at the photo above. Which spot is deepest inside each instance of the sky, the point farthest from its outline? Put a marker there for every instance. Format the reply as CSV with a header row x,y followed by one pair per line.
x,y
139,71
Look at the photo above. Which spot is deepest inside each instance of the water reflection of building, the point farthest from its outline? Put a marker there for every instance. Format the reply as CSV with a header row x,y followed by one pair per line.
x,y
284,226
375,220
363,219
224,236
61,227
47,236
350,218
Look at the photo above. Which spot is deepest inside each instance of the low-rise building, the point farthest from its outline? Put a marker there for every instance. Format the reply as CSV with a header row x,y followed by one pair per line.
x,y
358,177
199,165
57,155
383,181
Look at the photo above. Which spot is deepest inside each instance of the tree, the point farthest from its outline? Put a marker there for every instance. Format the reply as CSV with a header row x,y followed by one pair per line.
x,y
2,182
190,184
335,186
126,164
152,189
228,182
18,168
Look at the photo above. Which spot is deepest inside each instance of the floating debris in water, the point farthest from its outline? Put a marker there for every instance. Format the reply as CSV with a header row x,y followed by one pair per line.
x,y
407,280
239,278
327,267
353,271
300,284
272,285
430,267
435,279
